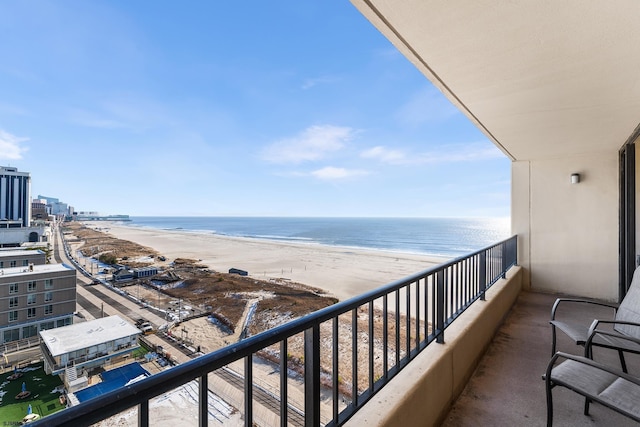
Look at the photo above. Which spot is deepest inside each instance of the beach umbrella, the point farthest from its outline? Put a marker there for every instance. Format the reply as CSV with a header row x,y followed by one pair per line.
x,y
29,410
24,387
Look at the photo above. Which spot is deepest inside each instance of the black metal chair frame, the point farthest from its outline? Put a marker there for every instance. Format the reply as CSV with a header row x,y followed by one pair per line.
x,y
551,381
581,339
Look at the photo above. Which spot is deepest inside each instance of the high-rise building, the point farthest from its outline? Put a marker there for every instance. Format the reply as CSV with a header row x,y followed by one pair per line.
x,y
15,195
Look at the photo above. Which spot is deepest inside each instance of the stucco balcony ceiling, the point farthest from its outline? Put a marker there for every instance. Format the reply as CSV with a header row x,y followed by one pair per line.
x,y
542,79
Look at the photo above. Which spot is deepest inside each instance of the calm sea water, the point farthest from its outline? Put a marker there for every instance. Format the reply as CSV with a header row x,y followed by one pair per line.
x,y
450,237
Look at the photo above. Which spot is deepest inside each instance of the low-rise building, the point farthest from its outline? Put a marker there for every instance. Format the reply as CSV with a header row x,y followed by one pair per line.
x,y
73,350
122,275
144,272
21,258
35,298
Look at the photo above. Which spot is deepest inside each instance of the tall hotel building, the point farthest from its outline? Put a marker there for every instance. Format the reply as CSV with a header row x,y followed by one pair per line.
x,y
15,196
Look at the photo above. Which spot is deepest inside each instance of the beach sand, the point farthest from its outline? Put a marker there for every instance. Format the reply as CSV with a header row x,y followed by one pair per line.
x,y
339,271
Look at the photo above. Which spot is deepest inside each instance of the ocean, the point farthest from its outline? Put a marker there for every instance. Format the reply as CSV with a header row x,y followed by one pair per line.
x,y
448,237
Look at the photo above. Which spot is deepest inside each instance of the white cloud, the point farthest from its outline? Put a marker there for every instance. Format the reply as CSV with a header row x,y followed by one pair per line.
x,y
333,173
452,153
384,155
10,146
312,144
460,153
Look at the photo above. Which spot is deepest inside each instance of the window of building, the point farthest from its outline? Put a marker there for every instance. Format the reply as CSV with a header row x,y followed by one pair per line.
x,y
13,264
13,316
2,266
13,288
31,299
31,313
11,335
44,326
31,287
48,296
48,283
48,309
13,302
29,331
25,262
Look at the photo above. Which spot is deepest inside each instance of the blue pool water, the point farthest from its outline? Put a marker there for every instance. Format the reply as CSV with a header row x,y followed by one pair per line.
x,y
112,380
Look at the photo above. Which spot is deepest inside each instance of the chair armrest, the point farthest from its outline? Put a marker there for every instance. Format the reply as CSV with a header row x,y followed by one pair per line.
x,y
582,301
590,362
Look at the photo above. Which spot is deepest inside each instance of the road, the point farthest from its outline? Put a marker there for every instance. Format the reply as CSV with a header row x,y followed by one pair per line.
x,y
96,300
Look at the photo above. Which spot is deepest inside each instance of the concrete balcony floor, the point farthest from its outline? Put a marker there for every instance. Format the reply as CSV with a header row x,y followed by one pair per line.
x,y
507,387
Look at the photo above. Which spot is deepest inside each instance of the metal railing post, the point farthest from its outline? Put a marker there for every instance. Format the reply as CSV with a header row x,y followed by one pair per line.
x,y
505,258
482,273
143,414
312,376
203,401
248,390
440,306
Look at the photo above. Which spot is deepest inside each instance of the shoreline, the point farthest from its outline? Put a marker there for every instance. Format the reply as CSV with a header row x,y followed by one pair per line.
x,y
343,272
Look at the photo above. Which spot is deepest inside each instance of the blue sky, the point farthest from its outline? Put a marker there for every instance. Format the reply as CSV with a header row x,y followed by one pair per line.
x,y
279,108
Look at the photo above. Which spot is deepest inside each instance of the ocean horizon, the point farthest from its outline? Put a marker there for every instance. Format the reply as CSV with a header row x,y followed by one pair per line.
x,y
446,237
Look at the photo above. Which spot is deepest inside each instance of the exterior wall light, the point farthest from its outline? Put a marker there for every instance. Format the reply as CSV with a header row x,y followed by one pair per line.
x,y
575,178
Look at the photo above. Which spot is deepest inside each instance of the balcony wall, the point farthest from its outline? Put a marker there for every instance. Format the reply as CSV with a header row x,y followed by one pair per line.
x,y
423,392
568,233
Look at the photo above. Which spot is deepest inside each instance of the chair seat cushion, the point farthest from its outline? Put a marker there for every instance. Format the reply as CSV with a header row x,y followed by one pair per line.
x,y
604,387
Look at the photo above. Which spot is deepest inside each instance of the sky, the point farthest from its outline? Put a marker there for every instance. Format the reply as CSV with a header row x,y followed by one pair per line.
x,y
243,108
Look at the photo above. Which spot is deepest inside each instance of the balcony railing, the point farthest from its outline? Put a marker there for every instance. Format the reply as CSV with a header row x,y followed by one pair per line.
x,y
387,328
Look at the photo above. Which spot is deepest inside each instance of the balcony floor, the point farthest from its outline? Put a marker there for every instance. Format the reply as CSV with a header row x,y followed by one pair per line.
x,y
507,387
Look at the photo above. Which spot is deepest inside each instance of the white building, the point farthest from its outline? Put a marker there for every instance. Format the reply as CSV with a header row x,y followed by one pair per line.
x,y
70,350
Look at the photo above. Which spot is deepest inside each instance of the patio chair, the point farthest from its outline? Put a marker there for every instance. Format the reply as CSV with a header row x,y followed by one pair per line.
x,y
595,381
625,321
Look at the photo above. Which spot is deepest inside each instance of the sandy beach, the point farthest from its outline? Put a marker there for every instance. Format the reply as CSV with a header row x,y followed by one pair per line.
x,y
341,272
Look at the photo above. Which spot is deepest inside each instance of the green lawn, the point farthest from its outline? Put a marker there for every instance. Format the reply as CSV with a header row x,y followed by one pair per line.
x,y
43,399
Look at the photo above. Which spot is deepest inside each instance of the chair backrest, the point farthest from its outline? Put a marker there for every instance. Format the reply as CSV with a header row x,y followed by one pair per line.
x,y
629,310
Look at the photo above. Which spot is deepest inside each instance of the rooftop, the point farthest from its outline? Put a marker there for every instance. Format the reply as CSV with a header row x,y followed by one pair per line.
x,y
37,269
19,252
83,335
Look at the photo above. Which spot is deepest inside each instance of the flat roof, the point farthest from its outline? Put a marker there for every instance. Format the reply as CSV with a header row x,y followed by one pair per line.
x,y
86,334
19,252
37,269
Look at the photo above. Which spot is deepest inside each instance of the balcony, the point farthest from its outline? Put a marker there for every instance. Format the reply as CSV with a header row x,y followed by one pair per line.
x,y
507,389
388,328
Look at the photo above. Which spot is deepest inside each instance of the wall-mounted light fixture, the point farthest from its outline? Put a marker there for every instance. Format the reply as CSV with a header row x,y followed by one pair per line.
x,y
575,178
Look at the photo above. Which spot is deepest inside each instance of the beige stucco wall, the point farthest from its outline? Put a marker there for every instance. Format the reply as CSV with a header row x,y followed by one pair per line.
x,y
423,392
568,232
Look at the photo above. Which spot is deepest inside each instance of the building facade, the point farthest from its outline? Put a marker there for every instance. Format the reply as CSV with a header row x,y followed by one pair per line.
x,y
87,345
15,195
10,258
35,298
